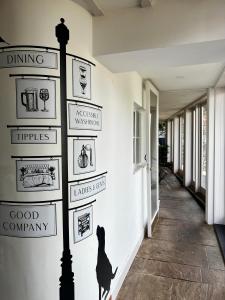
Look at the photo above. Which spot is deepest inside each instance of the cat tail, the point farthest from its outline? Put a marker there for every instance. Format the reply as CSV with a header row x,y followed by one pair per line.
x,y
114,274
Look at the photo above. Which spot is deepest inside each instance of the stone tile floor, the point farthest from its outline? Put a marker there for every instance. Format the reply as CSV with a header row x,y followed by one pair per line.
x,y
182,260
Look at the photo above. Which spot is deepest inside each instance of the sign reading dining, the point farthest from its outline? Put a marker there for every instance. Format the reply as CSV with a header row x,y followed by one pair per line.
x,y
28,58
87,189
28,221
84,117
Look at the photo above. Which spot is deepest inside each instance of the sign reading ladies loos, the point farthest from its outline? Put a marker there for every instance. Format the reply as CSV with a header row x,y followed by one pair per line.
x,y
28,221
28,58
87,189
84,117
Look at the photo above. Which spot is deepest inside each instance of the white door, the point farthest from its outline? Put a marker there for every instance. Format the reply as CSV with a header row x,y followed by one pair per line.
x,y
152,100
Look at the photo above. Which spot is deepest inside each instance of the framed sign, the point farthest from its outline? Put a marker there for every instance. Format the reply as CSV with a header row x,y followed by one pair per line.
x,y
33,136
87,189
37,175
35,98
82,223
81,79
84,117
28,58
84,160
28,221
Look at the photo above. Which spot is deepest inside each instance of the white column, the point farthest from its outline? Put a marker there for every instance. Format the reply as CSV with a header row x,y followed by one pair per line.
x,y
168,137
219,175
188,148
210,157
176,145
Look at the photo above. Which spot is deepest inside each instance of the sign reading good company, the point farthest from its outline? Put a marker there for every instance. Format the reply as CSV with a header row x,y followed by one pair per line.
x,y
28,221
33,136
28,58
84,117
87,189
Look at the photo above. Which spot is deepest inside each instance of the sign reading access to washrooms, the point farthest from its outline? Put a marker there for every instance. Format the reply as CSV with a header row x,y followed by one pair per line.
x,y
84,117
28,58
87,189
28,221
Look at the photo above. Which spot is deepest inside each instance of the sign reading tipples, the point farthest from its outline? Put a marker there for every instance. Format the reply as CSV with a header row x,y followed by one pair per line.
x,y
28,58
87,189
33,136
28,221
84,117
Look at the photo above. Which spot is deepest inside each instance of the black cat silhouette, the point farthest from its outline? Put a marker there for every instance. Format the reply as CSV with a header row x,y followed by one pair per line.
x,y
104,268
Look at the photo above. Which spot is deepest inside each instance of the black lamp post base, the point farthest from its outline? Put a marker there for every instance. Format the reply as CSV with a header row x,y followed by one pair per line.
x,y
66,280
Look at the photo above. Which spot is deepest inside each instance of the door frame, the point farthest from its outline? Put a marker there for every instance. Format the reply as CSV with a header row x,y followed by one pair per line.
x,y
149,87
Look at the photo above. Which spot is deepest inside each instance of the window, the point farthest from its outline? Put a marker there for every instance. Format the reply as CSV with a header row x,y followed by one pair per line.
x,y
203,145
181,143
137,138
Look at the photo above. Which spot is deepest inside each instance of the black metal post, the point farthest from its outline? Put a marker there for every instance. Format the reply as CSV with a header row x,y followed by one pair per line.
x,y
66,279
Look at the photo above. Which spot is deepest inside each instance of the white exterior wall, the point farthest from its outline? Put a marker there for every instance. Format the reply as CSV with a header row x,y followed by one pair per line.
x,y
30,268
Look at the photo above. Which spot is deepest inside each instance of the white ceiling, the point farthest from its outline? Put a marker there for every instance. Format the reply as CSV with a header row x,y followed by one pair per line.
x,y
188,67
110,5
173,101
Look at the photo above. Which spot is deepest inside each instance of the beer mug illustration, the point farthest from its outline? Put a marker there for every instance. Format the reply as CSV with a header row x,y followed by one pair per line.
x,y
83,79
83,157
29,99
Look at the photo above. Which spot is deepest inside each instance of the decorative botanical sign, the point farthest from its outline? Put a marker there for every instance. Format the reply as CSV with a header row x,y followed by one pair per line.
x,y
83,223
35,98
81,79
28,58
84,160
28,221
84,117
33,136
87,189
37,175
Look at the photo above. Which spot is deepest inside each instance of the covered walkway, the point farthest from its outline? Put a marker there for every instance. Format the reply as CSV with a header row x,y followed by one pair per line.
x,y
182,260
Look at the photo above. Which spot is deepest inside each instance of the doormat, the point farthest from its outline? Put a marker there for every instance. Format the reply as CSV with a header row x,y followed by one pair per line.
x,y
220,233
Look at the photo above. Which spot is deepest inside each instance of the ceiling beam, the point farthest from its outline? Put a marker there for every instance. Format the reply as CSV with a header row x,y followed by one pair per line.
x,y
90,6
147,3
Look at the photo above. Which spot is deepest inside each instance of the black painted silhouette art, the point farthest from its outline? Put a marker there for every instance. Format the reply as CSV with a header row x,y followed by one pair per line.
x,y
104,268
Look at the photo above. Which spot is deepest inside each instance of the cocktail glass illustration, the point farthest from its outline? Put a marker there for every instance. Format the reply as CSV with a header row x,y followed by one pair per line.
x,y
44,96
83,79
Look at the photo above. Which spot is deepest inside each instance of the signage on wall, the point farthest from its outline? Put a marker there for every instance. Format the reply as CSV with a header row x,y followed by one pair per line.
x,y
81,79
87,189
84,160
83,223
28,221
84,117
33,136
35,98
28,58
37,175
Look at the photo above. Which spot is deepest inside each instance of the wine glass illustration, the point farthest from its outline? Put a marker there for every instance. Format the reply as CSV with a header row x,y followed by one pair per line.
x,y
44,96
83,79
